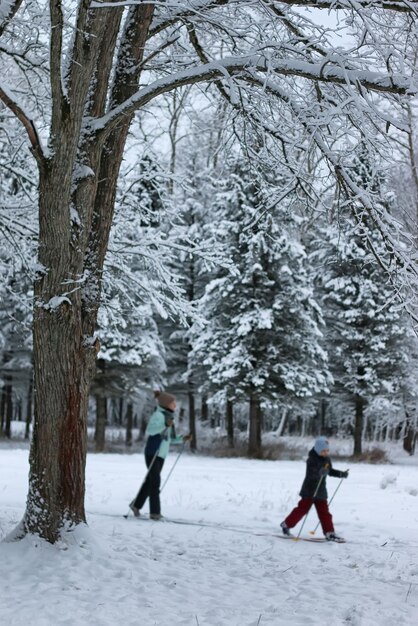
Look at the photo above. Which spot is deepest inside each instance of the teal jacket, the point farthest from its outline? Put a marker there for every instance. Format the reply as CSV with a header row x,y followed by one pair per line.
x,y
159,436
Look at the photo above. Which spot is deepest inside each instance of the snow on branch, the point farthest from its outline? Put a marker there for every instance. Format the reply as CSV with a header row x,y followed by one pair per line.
x,y
192,7
322,72
403,6
397,242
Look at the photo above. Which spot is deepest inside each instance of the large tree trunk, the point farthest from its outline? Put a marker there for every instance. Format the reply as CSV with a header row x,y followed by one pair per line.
x,y
63,367
77,194
254,438
57,459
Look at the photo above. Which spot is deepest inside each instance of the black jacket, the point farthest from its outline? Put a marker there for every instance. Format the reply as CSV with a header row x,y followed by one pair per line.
x,y
317,465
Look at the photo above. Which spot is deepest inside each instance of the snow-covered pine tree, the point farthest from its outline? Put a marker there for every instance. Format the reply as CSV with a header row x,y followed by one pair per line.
x,y
365,325
174,330
132,354
196,253
404,182
261,337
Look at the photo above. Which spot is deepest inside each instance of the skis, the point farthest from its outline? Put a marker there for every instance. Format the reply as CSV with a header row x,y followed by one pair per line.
x,y
295,539
235,529
311,539
170,520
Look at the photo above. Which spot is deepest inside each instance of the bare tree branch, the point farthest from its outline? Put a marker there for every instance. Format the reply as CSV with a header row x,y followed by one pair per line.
x,y
27,122
297,32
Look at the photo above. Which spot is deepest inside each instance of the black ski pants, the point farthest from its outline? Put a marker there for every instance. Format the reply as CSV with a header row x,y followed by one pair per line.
x,y
151,486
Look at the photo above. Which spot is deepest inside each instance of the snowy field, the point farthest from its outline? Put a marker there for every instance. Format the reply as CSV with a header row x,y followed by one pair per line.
x,y
224,572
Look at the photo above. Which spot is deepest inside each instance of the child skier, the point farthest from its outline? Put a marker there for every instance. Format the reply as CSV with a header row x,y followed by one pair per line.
x,y
160,431
314,491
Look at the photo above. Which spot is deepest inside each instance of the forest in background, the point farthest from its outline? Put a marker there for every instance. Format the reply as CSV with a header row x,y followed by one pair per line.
x,y
215,198
253,300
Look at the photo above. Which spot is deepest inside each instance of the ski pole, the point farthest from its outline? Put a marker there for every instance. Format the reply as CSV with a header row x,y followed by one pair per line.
x,y
148,471
312,532
313,498
174,465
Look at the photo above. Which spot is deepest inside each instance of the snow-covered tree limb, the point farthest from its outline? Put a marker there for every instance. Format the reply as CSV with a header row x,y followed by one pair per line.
x,y
322,72
403,6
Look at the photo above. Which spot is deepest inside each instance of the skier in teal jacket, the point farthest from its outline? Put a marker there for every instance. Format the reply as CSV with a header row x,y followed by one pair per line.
x,y
161,434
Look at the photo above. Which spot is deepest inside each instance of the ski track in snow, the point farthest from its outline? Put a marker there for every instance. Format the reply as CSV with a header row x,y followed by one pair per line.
x,y
135,572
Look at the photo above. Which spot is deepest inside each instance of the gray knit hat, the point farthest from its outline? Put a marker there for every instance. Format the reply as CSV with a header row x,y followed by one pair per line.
x,y
321,443
164,399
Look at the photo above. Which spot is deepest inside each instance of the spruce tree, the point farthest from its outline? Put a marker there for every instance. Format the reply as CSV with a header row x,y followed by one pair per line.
x,y
261,337
366,329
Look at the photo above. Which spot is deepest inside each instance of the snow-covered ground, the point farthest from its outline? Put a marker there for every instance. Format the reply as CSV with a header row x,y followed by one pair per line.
x,y
224,573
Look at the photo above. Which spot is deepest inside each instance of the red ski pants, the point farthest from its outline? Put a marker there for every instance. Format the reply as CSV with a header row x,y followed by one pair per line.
x,y
303,507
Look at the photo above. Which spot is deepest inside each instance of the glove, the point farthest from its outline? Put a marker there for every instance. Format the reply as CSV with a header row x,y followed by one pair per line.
x,y
187,438
344,474
324,471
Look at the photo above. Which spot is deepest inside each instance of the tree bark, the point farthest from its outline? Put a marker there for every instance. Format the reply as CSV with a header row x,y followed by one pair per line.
x,y
129,424
192,420
230,422
254,439
2,410
8,408
29,408
101,419
358,425
63,367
